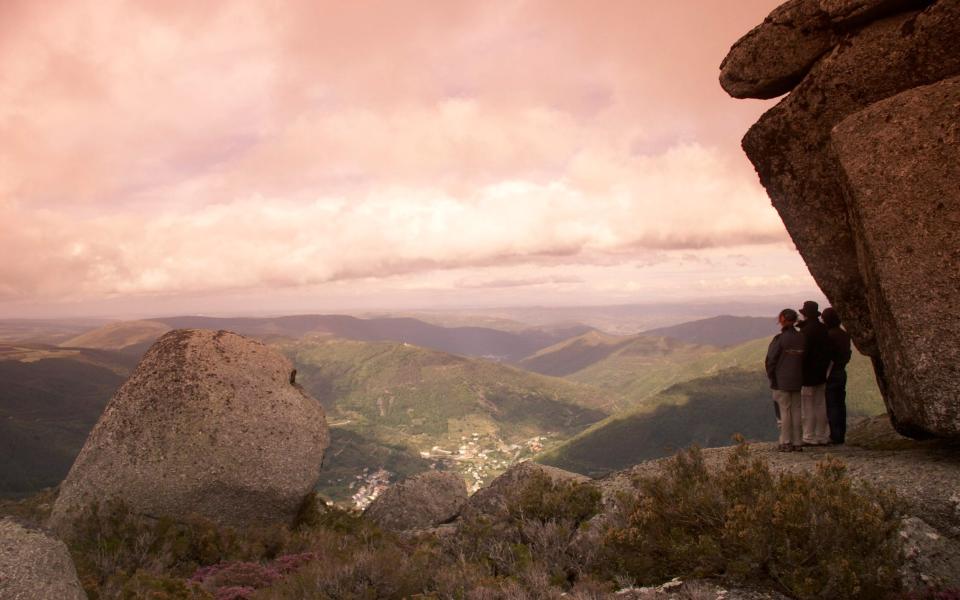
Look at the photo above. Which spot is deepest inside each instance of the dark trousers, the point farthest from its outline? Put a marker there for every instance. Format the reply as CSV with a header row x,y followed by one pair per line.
x,y
837,405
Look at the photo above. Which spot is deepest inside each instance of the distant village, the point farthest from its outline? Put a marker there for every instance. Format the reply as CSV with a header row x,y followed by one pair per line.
x,y
479,458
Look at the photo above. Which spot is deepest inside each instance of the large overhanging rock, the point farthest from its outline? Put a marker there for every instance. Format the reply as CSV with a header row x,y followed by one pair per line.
x,y
209,424
907,201
774,56
822,200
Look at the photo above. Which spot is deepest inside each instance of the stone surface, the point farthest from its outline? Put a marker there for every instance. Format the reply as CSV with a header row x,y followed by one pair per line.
x,y
209,424
493,498
926,477
847,13
877,433
695,589
425,500
930,559
906,199
35,566
791,148
773,57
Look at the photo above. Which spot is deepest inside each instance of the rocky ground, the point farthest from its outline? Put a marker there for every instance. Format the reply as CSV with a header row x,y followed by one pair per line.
x,y
924,474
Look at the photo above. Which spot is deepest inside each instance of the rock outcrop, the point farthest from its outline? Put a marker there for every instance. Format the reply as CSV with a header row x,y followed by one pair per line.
x,y
493,499
35,566
422,501
861,161
209,424
930,559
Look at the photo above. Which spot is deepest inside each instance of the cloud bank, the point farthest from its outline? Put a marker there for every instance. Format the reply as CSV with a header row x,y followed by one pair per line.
x,y
164,148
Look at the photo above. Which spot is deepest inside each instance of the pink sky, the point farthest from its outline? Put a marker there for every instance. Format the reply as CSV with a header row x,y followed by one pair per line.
x,y
176,156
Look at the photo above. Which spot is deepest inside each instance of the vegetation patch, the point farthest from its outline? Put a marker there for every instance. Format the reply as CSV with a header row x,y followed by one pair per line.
x,y
813,535
809,535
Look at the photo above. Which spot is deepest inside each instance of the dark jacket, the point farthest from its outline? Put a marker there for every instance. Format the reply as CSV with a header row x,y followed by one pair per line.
x,y
840,352
817,352
785,361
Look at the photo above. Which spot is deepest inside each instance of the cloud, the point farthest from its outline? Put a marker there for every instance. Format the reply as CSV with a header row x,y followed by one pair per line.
x,y
255,240
177,147
520,282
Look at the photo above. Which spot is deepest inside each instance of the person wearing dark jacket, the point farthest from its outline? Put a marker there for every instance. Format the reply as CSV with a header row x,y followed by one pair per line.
x,y
816,362
784,365
836,390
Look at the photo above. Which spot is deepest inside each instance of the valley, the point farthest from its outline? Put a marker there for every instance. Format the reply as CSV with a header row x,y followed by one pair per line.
x,y
590,402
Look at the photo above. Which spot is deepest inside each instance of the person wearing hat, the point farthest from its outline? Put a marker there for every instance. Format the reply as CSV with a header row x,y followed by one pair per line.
x,y
836,391
784,365
816,362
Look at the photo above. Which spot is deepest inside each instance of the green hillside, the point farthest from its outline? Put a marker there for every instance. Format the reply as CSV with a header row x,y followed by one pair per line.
x,y
49,400
639,376
701,401
420,392
135,336
351,454
723,330
648,365
472,415
574,354
706,411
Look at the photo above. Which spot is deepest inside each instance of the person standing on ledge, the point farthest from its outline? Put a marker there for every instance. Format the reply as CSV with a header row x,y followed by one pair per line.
x,y
784,365
836,391
816,361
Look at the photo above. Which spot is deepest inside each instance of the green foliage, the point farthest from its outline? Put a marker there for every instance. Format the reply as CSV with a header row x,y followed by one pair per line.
x,y
707,411
148,586
545,499
350,453
541,535
640,371
110,545
410,391
816,535
813,535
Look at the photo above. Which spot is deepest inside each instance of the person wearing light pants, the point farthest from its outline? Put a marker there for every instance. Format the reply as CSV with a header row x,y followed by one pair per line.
x,y
816,361
784,366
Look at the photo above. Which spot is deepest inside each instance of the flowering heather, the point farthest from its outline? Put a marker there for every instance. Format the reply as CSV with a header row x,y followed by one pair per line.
x,y
234,593
235,574
289,563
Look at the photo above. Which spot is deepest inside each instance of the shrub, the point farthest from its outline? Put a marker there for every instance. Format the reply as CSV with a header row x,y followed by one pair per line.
x,y
540,532
150,586
110,544
932,594
814,535
544,499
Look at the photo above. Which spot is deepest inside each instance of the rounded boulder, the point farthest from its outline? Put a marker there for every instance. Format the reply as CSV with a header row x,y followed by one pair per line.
x,y
422,501
210,424
35,566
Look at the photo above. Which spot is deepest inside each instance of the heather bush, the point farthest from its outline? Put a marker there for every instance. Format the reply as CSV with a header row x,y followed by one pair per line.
x,y
240,574
144,585
814,535
235,592
110,544
352,570
811,535
933,594
544,499
541,532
